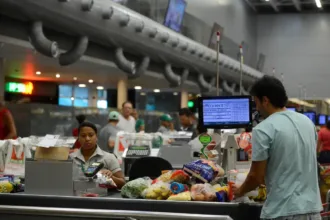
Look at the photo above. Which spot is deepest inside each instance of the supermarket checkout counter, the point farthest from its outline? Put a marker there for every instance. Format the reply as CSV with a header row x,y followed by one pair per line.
x,y
21,207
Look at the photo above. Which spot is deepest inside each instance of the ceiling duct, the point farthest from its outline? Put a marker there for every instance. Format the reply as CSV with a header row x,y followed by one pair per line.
x,y
227,88
40,42
171,77
203,85
141,69
184,76
123,63
86,5
75,53
245,92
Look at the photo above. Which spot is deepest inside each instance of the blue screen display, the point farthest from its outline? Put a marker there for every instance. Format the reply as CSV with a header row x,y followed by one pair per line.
x,y
311,116
226,111
291,109
322,120
175,13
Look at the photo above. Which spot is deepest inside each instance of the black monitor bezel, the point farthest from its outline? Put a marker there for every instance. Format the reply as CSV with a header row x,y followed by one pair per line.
x,y
311,112
318,119
200,112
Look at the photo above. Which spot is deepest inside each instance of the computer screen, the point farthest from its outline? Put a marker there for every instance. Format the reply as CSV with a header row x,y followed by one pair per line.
x,y
291,109
174,16
322,119
311,116
225,111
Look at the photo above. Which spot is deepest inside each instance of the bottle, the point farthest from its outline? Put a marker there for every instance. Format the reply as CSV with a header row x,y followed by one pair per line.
x,y
232,174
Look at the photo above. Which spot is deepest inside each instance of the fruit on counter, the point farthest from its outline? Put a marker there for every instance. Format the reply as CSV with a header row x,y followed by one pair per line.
x,y
165,177
159,191
203,192
218,188
6,187
134,188
179,176
262,194
185,196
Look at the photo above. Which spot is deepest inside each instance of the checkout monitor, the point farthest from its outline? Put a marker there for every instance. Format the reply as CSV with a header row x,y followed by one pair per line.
x,y
291,109
322,119
221,112
311,115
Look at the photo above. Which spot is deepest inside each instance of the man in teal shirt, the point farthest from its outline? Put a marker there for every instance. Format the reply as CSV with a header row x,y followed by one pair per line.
x,y
283,157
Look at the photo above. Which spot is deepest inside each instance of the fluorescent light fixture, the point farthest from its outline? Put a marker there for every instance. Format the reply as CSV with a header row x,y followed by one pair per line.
x,y
156,90
266,0
301,102
137,87
90,81
72,98
318,3
58,75
38,73
82,85
75,78
99,87
175,93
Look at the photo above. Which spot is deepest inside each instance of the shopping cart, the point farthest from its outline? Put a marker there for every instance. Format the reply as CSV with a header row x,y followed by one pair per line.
x,y
324,178
325,214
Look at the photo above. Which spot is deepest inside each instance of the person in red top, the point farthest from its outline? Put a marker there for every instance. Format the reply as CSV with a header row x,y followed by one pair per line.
x,y
7,124
80,120
323,144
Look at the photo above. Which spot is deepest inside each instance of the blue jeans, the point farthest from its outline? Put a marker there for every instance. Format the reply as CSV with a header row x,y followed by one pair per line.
x,y
315,216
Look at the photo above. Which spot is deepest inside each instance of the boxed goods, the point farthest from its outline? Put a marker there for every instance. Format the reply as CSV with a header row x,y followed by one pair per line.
x,y
204,171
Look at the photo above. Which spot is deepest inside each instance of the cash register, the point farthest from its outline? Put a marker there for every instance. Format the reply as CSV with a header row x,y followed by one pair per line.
x,y
132,153
226,112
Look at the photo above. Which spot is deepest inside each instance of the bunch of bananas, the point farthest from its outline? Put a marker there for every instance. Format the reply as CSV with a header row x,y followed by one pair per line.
x,y
6,187
262,194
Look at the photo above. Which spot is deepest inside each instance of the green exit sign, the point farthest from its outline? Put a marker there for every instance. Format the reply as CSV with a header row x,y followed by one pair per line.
x,y
24,88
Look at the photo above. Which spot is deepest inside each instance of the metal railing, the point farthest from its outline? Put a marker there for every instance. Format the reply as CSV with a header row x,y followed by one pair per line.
x,y
98,213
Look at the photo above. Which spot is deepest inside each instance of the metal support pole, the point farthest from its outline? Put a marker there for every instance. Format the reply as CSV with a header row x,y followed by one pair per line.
x,y
241,70
218,73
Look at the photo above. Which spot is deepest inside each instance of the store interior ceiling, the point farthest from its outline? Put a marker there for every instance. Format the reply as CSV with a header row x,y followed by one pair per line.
x,y
289,6
23,62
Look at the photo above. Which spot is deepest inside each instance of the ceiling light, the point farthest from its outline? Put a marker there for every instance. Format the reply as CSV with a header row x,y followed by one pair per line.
x,y
75,78
156,90
318,3
82,85
99,87
72,98
190,95
137,87
142,93
58,75
90,81
175,93
38,73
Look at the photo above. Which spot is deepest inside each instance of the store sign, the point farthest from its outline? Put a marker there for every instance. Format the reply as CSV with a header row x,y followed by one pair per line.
x,y
24,88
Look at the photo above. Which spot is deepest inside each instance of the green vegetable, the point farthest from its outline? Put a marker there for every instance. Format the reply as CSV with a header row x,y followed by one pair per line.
x,y
134,188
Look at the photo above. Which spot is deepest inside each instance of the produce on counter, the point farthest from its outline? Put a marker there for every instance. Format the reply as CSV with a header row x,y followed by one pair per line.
x,y
205,171
158,191
6,187
165,177
185,196
180,176
203,192
134,188
177,188
262,194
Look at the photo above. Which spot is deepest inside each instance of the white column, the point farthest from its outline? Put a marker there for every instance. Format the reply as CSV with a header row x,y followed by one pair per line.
x,y
2,79
92,95
184,99
121,92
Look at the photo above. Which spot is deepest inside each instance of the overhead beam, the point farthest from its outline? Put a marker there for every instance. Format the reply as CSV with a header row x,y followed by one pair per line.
x,y
273,3
251,5
297,4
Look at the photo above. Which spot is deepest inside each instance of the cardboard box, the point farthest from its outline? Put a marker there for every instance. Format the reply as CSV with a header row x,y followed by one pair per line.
x,y
52,153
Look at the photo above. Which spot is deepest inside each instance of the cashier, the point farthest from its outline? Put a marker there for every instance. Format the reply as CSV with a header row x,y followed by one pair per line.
x,y
90,153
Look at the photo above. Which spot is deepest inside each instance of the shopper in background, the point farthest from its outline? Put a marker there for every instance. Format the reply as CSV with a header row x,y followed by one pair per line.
x,y
135,114
7,124
108,133
165,124
284,156
90,153
139,126
188,121
126,121
323,144
80,119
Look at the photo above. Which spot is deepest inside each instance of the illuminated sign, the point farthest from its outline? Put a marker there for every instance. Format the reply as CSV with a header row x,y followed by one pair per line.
x,y
24,88
191,104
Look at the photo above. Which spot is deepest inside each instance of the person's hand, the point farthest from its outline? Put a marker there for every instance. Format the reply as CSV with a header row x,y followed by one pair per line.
x,y
236,191
107,173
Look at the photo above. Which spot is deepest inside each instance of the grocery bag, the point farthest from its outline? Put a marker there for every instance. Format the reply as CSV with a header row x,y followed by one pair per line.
x,y
3,152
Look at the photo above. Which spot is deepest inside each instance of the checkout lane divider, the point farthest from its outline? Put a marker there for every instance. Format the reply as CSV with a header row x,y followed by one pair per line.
x,y
97,213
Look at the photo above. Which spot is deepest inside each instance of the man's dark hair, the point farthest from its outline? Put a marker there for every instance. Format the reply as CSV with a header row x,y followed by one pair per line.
x,y
201,129
127,102
328,125
273,89
186,112
87,124
80,118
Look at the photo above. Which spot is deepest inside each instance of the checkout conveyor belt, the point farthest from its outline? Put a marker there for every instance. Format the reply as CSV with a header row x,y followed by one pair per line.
x,y
28,207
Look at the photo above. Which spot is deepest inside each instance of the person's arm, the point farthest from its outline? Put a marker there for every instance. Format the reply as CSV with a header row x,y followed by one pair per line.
x,y
256,177
10,126
118,177
111,143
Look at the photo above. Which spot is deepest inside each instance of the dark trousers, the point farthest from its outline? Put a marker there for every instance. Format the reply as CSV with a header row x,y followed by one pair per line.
x,y
324,157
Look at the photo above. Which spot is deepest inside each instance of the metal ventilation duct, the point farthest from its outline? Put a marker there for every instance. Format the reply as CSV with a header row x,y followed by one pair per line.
x,y
141,69
75,53
112,25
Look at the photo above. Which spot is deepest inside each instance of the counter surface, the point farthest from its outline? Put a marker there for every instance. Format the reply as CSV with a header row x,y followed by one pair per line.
x,y
115,202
